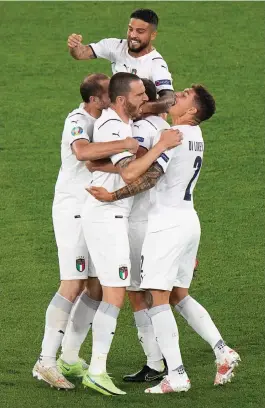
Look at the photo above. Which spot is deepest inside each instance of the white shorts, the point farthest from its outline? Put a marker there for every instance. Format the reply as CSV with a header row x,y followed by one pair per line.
x,y
108,245
74,259
169,255
137,231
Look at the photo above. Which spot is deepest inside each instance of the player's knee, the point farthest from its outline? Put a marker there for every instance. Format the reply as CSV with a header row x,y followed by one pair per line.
x,y
114,296
70,289
93,289
177,295
137,300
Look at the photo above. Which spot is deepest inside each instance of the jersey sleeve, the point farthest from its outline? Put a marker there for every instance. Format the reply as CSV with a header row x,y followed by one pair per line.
x,y
161,76
165,158
143,134
106,48
111,131
76,129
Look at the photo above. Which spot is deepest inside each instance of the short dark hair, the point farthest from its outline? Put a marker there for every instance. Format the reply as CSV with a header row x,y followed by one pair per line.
x,y
147,15
90,86
150,89
120,84
204,101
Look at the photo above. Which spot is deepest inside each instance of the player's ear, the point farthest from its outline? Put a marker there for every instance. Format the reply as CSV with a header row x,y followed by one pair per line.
x,y
121,100
192,111
92,99
153,35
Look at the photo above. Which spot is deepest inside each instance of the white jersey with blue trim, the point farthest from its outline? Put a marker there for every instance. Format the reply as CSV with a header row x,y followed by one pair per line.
x,y
145,131
151,66
73,176
174,190
108,128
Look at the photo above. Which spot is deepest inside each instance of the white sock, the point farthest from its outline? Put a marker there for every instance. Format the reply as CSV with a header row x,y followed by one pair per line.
x,y
148,341
104,326
200,320
166,331
57,316
80,322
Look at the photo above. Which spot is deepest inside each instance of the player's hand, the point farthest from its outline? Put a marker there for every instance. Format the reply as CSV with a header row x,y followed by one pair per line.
x,y
74,40
132,145
100,193
171,138
90,166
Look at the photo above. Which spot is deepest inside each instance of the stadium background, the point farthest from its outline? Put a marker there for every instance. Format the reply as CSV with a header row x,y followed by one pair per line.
x,y
220,44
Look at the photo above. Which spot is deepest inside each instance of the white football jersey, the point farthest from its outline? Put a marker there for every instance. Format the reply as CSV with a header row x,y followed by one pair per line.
x,y
145,131
174,190
73,176
109,127
151,66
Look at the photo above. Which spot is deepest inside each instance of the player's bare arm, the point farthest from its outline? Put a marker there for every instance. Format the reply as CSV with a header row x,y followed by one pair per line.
x,y
104,165
78,50
162,105
134,169
84,150
145,182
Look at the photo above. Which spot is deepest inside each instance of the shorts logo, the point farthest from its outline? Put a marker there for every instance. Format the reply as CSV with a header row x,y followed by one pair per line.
x,y
80,264
123,272
77,131
163,82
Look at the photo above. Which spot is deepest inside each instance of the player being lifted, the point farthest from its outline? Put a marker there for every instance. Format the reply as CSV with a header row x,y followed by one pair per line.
x,y
136,55
74,261
172,241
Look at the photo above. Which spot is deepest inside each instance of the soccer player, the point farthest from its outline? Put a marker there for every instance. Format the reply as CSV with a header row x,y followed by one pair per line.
x,y
105,225
136,54
174,233
70,194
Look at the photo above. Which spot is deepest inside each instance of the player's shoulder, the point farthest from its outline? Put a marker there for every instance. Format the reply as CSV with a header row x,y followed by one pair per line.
x,y
80,115
108,118
188,130
116,43
157,58
152,122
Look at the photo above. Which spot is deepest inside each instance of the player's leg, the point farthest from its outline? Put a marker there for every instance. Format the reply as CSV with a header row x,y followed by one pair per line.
x,y
72,256
159,270
154,367
79,324
108,245
196,315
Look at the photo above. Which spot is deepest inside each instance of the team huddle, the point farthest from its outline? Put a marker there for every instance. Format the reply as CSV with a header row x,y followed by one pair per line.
x,y
124,219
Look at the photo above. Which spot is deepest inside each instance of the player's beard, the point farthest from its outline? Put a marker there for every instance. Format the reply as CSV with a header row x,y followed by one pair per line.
x,y
140,48
131,110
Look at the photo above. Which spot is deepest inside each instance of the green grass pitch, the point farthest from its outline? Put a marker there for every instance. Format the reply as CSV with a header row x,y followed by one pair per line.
x,y
220,44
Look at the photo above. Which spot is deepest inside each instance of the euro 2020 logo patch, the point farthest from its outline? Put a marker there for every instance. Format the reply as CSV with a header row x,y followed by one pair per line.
x,y
80,264
123,272
76,131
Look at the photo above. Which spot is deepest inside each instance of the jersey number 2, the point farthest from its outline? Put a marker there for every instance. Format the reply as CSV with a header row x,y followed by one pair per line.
x,y
197,165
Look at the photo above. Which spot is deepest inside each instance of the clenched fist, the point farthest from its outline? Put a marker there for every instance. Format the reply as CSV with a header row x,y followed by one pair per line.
x,y
171,138
74,40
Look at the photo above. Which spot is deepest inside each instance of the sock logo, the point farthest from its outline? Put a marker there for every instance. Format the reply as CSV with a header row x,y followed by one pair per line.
x,y
123,272
80,264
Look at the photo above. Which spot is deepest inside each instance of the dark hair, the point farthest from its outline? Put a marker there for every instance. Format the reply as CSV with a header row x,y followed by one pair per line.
x,y
120,84
147,15
205,102
150,89
91,86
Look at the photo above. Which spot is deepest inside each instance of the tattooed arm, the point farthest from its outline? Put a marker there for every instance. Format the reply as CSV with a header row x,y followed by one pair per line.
x,y
145,182
132,170
164,102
